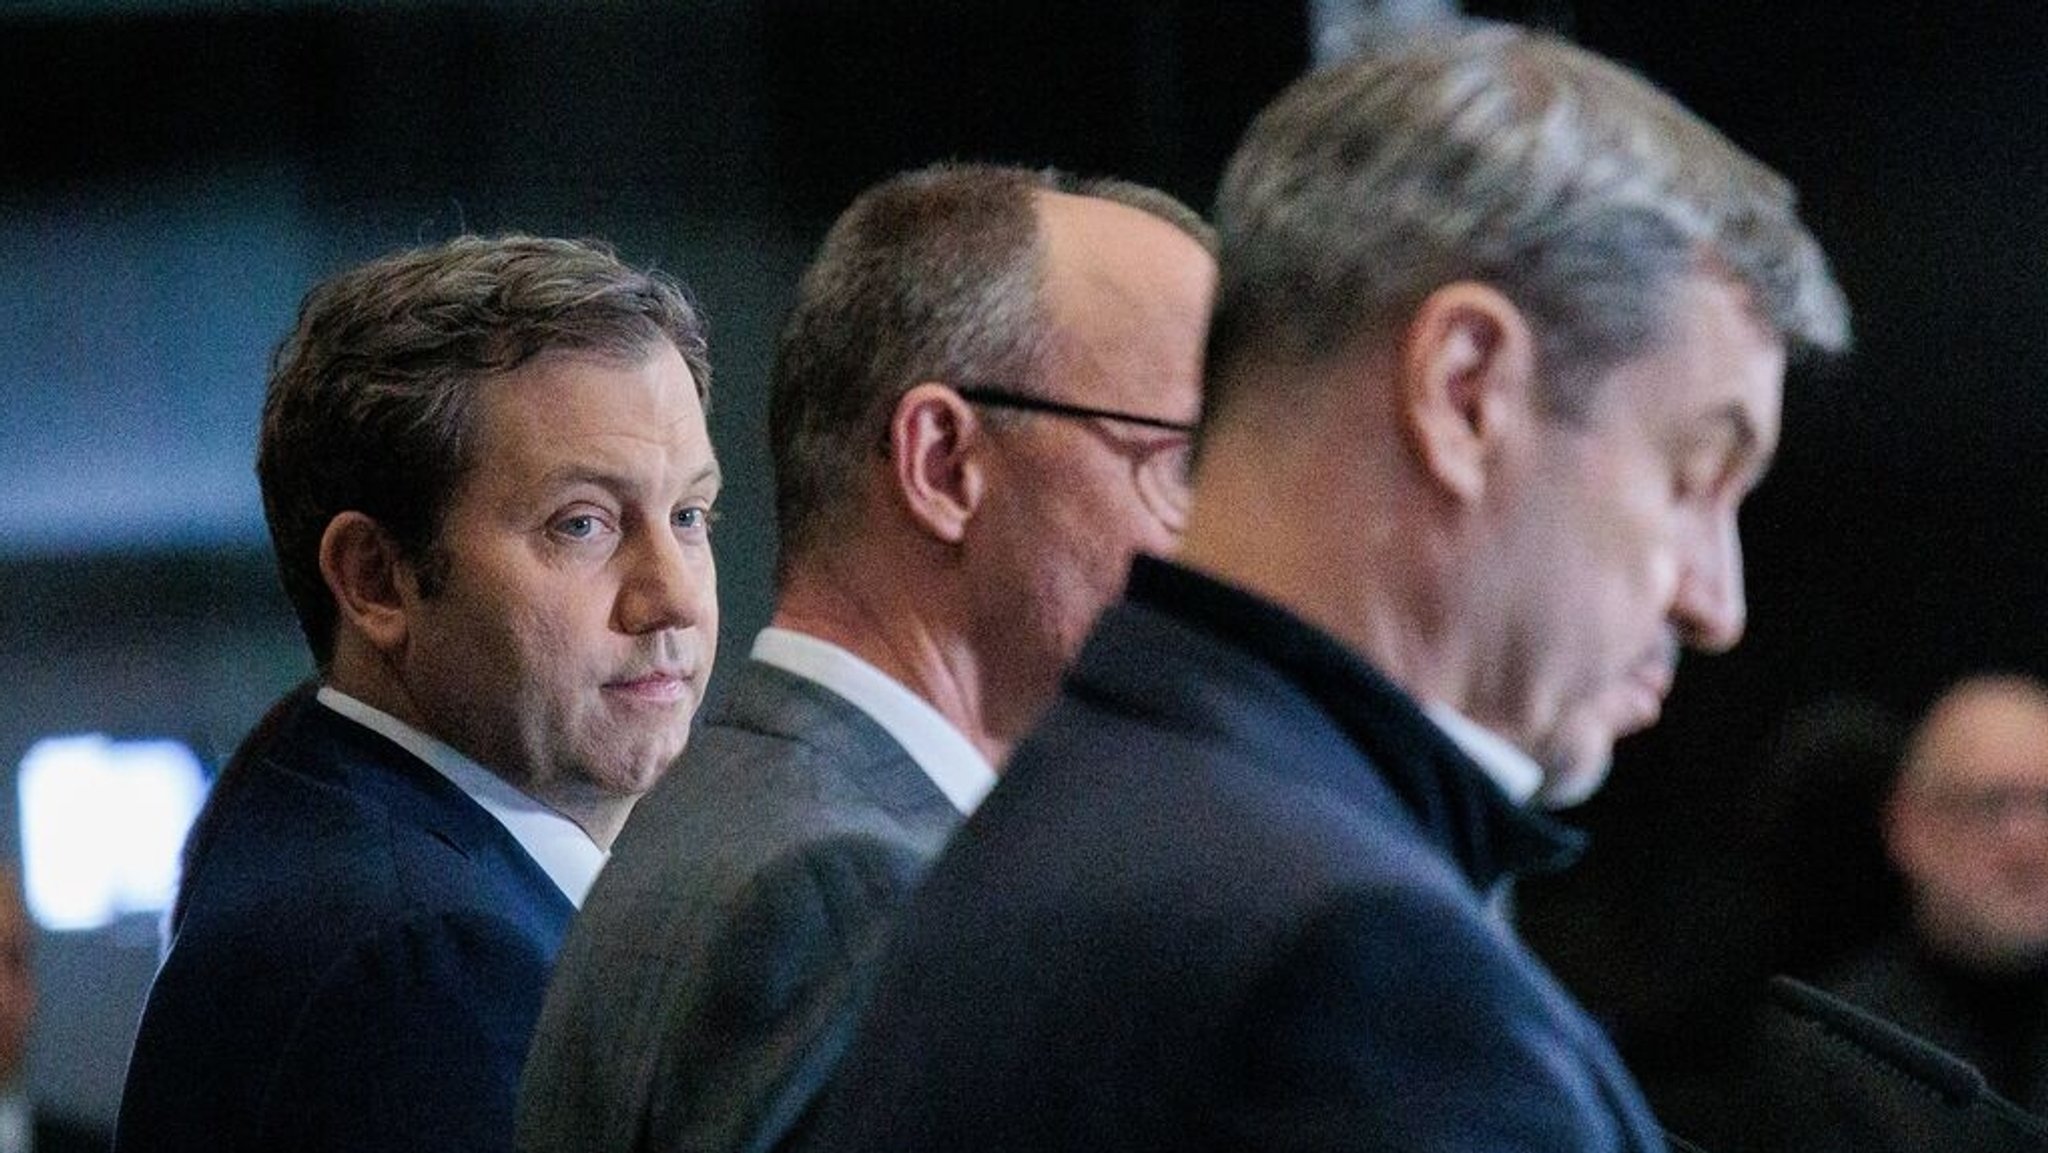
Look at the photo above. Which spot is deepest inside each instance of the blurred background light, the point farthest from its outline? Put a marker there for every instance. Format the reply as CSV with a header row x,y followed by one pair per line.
x,y
102,822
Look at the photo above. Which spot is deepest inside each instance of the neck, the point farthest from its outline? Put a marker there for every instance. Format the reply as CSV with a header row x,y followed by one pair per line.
x,y
901,627
599,815
363,673
1347,550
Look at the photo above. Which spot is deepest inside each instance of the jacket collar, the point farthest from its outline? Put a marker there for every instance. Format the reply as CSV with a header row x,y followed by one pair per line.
x,y
1457,806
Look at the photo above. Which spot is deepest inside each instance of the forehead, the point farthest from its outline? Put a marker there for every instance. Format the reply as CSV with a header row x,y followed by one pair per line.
x,y
1718,364
577,408
1992,735
1128,296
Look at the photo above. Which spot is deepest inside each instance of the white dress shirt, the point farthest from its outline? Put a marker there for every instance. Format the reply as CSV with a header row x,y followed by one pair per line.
x,y
942,751
1516,772
557,844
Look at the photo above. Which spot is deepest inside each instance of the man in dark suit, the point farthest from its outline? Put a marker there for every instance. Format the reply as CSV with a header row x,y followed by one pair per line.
x,y
982,405
1497,353
488,481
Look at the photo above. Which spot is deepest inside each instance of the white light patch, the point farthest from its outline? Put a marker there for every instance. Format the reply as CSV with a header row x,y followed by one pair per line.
x,y
102,824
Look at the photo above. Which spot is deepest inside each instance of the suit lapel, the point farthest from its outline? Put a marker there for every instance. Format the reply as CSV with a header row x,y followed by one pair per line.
x,y
415,794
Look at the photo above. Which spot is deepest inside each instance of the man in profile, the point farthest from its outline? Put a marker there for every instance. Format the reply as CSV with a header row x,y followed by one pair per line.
x,y
489,484
1498,352
982,406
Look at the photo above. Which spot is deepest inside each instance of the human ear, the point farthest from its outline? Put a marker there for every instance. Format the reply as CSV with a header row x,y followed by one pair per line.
x,y
1467,367
371,584
933,435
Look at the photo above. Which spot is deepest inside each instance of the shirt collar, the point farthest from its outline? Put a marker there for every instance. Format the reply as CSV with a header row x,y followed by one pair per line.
x,y
1459,805
1516,772
945,754
557,844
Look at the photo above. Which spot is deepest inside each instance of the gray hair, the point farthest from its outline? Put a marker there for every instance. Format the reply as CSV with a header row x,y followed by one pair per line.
x,y
930,275
1490,153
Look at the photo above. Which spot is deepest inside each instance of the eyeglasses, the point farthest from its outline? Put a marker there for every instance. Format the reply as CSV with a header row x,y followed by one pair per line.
x,y
1988,808
1159,468
1003,398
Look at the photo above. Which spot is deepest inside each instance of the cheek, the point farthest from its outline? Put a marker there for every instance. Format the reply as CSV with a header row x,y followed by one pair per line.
x,y
1081,533
538,638
707,602
1116,524
1635,581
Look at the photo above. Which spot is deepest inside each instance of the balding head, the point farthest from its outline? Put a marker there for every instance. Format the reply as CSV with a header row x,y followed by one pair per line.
x,y
981,408
1967,824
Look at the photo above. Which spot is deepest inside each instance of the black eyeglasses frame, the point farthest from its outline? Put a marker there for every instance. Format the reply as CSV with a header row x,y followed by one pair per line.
x,y
1004,398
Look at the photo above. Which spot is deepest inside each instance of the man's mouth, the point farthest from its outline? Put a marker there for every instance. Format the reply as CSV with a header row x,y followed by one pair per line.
x,y
1644,691
656,687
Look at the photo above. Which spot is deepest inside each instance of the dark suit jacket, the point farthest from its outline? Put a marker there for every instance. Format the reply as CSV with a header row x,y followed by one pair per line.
x,y
58,1134
707,988
1230,896
360,955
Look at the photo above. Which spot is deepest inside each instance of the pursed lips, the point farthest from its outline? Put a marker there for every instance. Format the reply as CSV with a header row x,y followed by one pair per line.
x,y
655,686
1649,683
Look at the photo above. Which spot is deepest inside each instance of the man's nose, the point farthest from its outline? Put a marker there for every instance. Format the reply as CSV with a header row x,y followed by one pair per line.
x,y
1710,608
667,583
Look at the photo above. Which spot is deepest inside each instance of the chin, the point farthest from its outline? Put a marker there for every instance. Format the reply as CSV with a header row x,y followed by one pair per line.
x,y
1573,778
2014,953
633,780
629,772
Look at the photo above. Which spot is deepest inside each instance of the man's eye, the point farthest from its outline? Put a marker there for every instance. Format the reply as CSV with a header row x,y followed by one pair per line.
x,y
1701,478
577,527
695,518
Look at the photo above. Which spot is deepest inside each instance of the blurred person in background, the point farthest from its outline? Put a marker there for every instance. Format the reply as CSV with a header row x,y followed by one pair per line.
x,y
24,1126
1966,827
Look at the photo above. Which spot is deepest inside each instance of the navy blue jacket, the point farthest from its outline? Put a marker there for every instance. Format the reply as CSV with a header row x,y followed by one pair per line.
x,y
1232,895
359,958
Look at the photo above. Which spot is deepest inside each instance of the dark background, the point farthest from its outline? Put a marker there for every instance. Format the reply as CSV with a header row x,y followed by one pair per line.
x,y
173,176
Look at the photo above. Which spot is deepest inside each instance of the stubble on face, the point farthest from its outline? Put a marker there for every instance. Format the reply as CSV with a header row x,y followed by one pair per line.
x,y
1628,522
1127,295
569,644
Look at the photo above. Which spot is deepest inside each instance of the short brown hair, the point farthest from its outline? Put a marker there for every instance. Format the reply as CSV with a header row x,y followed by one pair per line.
x,y
371,397
930,275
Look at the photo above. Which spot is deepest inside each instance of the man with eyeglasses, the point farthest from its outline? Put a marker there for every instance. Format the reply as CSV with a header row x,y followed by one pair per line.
x,y
982,408
1498,351
1966,826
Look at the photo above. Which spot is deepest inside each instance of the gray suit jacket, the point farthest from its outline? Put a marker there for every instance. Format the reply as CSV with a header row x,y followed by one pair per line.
x,y
707,988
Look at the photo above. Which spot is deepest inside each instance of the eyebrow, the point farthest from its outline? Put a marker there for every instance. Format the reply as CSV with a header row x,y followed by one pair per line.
x,y
1748,449
575,474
